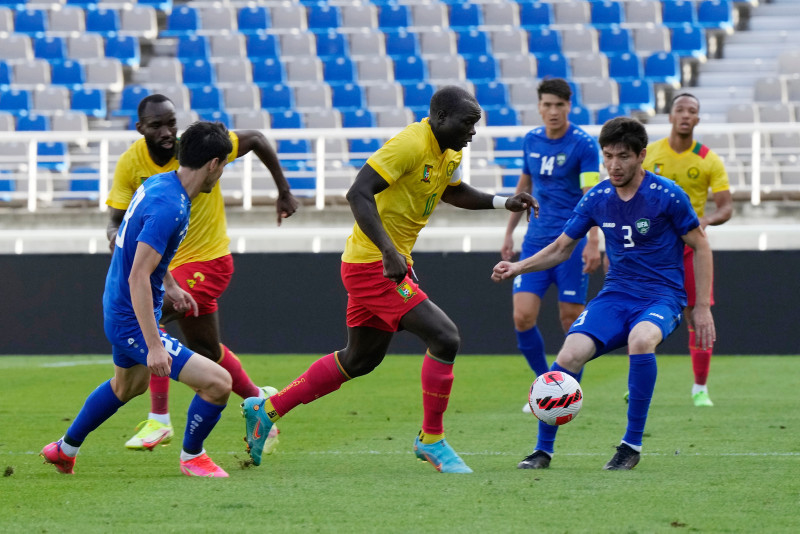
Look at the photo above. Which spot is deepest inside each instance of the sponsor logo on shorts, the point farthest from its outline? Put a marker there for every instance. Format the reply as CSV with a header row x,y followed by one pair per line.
x,y
405,290
654,314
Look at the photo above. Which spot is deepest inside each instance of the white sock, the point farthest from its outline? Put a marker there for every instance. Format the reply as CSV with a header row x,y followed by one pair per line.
x,y
637,448
697,388
68,449
162,418
185,456
550,454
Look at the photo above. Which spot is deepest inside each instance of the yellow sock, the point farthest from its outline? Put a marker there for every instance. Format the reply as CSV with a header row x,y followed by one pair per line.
x,y
427,439
271,413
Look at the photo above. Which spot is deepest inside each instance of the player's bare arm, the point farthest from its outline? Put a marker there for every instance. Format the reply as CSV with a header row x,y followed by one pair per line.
x,y
524,185
144,263
467,197
361,198
701,317
253,140
723,202
181,300
115,217
550,256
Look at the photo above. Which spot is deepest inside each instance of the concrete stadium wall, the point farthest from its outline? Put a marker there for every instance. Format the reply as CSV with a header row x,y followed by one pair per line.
x,y
294,303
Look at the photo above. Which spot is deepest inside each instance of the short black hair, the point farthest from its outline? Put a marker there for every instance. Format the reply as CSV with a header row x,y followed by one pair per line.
x,y
555,86
202,142
624,131
449,98
154,98
681,95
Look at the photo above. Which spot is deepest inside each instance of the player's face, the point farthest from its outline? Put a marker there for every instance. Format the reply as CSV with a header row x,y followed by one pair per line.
x,y
622,164
555,112
454,129
685,115
160,130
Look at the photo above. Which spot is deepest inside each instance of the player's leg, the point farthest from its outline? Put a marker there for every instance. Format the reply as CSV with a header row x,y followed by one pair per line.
x,y
529,338
701,358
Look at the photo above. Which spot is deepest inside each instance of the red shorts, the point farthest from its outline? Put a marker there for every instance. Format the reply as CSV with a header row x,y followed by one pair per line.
x,y
688,273
375,301
205,281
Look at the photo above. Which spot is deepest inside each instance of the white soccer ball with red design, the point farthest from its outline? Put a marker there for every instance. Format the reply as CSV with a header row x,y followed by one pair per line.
x,y
555,398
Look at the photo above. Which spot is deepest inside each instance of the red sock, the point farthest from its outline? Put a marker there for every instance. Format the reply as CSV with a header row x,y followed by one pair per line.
x,y
701,361
437,381
241,383
159,394
323,377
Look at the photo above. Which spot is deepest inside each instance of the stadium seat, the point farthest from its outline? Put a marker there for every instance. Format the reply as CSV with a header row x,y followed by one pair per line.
x,y
92,102
589,65
309,97
263,45
410,69
650,39
366,43
600,92
624,66
323,17
446,69
607,113
53,156
287,119
323,118
579,40
555,65
331,44
33,123
481,68
615,40
5,73
129,100
358,118
361,150
16,47
103,21
502,14
580,115
637,94
298,44
51,99
65,21
50,48
769,89
86,46
347,96
507,150
543,41
338,70
228,46
193,46
572,13
289,16
85,180
715,14
375,69
643,13
359,16
304,70
473,43
32,22
663,67
268,71
518,66
432,15
253,119
393,17
386,95
31,74
607,13
125,48
503,116
69,73
417,96
508,41
466,15
492,94
216,115
198,72
395,118
105,73
533,15
276,98
217,19
676,13
139,21
165,6
689,41
234,71
401,44
253,19
184,20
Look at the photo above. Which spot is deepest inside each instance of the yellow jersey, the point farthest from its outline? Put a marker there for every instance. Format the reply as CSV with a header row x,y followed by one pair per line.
x,y
695,170
418,173
207,236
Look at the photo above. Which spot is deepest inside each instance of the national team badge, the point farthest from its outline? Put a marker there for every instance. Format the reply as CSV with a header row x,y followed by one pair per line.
x,y
561,159
451,168
426,173
657,168
405,291
693,173
643,226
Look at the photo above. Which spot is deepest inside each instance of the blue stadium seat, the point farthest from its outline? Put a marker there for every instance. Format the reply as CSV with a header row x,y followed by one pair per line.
x,y
410,69
715,14
615,40
347,96
5,73
31,22
607,113
663,67
508,152
69,73
198,72
555,65
544,41
492,94
535,15
182,21
465,15
52,156
331,44
193,47
165,6
580,115
85,180
216,116
263,45
129,100
276,98
18,102
33,123
417,96
362,149
607,13
82,3
253,20
689,41
473,43
625,66
50,47
106,22
394,16
287,119
339,70
358,118
322,17
268,71
125,48
401,43
504,116
92,102
481,68
676,13
637,94
303,185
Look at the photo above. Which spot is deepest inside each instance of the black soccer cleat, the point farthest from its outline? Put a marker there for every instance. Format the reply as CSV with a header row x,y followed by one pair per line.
x,y
537,460
624,460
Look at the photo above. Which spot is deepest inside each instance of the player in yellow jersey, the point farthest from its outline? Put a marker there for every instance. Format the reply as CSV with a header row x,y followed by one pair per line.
x,y
392,198
203,264
697,169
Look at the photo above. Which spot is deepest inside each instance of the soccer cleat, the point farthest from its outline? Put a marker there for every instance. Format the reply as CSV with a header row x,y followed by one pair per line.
x,y
202,466
152,433
441,456
537,460
257,427
626,396
625,459
701,398
272,438
52,454
526,408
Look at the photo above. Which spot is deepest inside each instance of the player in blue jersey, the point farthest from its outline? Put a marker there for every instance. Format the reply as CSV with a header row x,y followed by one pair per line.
x,y
152,228
646,219
560,163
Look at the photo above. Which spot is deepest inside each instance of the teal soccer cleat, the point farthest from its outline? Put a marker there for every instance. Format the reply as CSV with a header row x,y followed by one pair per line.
x,y
257,427
441,456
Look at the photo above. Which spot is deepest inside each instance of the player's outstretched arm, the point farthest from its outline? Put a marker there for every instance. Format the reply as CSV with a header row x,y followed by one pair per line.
x,y
467,197
115,217
524,185
550,256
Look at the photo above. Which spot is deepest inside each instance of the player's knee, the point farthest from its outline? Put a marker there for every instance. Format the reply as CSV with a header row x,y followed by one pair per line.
x,y
446,344
218,385
524,320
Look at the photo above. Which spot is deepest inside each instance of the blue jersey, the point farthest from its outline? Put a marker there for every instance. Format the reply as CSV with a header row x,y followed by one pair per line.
x,y
158,215
555,167
643,235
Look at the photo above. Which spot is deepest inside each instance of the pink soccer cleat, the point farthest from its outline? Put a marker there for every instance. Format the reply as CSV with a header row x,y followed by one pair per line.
x,y
52,454
202,466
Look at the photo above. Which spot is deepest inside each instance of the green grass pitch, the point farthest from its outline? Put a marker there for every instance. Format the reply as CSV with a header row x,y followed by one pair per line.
x,y
345,464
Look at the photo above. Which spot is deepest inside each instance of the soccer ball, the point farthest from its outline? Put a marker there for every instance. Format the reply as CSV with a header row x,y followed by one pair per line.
x,y
555,398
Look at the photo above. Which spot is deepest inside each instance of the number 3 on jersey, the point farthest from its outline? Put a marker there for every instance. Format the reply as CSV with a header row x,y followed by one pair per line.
x,y
137,198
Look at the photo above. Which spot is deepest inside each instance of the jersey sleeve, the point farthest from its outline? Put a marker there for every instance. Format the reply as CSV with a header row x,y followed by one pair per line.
x,y
158,225
590,164
684,218
124,184
397,156
235,140
581,220
719,176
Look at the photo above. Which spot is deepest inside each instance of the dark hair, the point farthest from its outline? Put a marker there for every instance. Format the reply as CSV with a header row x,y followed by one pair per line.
x,y
154,98
555,86
680,95
624,131
202,142
449,98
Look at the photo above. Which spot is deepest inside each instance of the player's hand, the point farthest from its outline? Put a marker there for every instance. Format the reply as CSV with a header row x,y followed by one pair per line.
x,y
159,361
112,242
504,270
286,205
591,257
523,201
395,266
507,250
182,301
704,331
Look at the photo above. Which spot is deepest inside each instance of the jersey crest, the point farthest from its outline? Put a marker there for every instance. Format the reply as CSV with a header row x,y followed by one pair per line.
x,y
405,291
451,168
693,173
643,226
561,159
658,167
426,173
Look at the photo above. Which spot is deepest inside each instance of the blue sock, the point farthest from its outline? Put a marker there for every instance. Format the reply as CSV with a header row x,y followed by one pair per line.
x,y
641,383
531,345
546,438
200,422
99,406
